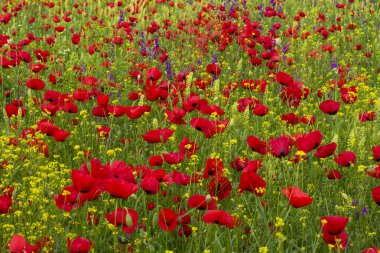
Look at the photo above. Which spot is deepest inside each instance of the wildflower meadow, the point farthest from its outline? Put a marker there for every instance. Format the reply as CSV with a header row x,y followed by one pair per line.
x,y
190,126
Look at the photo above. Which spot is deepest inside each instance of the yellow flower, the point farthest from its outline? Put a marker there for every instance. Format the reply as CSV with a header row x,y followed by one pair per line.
x,y
263,250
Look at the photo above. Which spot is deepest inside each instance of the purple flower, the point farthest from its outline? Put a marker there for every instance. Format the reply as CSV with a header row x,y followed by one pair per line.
x,y
355,202
214,59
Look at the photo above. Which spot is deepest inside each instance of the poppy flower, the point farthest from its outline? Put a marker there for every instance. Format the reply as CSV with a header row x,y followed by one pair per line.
x,y
201,202
376,195
150,184
126,217
5,204
173,158
219,217
309,141
214,167
67,199
60,135
35,84
220,187
119,188
82,180
158,135
176,116
134,112
188,147
345,158
260,110
326,150
204,125
367,116
167,219
329,107
152,75
297,197
191,103
284,79
75,38
374,173
213,69
339,240
257,145
155,160
239,163
252,182
333,174
11,110
18,244
177,177
280,146
372,249
79,245
333,225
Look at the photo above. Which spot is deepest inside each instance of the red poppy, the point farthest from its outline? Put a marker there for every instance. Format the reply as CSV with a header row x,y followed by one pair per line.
x,y
326,150
209,128
152,75
158,135
372,249
188,147
67,199
367,116
176,116
252,182
18,244
239,163
329,107
257,145
345,158
333,174
213,69
180,178
79,245
284,79
82,180
121,170
126,217
214,167
309,141
280,146
374,173
11,110
155,160
333,225
376,195
219,217
220,187
134,112
191,103
297,197
260,110
103,132
75,38
339,241
173,158
201,202
35,84
60,135
119,188
5,204
167,219
150,184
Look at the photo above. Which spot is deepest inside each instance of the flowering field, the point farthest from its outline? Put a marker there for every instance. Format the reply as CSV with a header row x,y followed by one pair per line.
x,y
190,126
